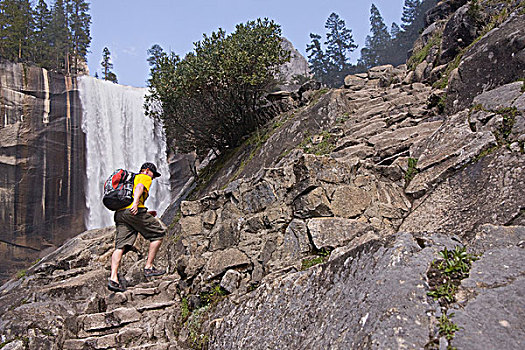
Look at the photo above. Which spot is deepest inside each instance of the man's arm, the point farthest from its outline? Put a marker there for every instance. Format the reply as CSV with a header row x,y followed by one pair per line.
x,y
137,193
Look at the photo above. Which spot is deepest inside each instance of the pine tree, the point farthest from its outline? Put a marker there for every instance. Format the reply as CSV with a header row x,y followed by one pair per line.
x,y
155,54
79,22
339,41
410,12
394,30
316,57
330,66
42,18
16,29
413,19
107,66
378,45
55,39
60,37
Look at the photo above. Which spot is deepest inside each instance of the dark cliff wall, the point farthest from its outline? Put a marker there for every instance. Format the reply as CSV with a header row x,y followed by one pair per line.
x,y
42,163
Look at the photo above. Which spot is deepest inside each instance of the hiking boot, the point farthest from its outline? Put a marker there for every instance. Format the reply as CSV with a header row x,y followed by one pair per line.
x,y
153,272
115,286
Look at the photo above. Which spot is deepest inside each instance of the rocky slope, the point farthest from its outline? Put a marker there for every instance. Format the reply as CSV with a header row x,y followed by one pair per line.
x,y
380,215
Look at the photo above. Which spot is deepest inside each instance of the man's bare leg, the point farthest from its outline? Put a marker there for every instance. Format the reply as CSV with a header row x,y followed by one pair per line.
x,y
154,247
116,257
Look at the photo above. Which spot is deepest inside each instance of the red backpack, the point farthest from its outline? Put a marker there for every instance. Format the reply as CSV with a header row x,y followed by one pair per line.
x,y
118,189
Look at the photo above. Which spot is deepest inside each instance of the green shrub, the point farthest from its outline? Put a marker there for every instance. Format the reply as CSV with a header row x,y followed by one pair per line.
x,y
444,291
213,296
509,119
442,103
453,266
447,328
185,309
325,146
197,338
485,153
456,262
209,99
322,256
411,170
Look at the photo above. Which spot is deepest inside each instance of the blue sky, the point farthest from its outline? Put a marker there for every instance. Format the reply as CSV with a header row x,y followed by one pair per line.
x,y
130,27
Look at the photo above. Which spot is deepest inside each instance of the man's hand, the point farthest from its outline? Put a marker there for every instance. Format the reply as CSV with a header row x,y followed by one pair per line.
x,y
134,209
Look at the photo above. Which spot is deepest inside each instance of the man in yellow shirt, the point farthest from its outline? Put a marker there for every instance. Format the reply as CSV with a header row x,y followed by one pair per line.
x,y
133,219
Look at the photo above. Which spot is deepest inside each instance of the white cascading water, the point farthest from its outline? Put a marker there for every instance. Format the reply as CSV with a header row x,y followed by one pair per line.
x,y
119,135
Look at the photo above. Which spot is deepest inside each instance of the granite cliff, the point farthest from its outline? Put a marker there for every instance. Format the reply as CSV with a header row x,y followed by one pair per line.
x,y
42,163
387,214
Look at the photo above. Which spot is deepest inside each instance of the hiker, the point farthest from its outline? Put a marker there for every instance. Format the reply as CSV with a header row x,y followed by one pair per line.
x,y
133,219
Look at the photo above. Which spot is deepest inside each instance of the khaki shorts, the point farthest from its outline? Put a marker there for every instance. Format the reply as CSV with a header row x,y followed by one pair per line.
x,y
128,225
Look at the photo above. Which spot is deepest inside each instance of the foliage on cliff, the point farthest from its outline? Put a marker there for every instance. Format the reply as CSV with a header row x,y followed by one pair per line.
x,y
209,99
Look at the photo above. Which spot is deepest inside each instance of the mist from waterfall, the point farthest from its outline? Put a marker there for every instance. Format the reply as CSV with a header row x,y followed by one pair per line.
x,y
119,135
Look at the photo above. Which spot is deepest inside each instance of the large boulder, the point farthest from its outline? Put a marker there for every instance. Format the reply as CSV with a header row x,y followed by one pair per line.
x,y
459,32
496,59
488,190
375,297
492,311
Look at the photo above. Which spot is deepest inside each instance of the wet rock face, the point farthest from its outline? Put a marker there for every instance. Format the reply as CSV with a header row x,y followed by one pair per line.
x,y
42,161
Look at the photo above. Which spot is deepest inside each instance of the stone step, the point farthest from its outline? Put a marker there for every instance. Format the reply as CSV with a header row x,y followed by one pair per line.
x,y
156,346
366,104
162,292
117,340
103,342
127,327
154,306
107,320
364,130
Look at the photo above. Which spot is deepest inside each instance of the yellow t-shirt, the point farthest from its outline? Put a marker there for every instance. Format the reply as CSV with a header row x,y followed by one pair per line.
x,y
146,181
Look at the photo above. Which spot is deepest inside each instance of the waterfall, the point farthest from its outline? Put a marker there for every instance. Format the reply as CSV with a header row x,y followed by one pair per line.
x,y
119,135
